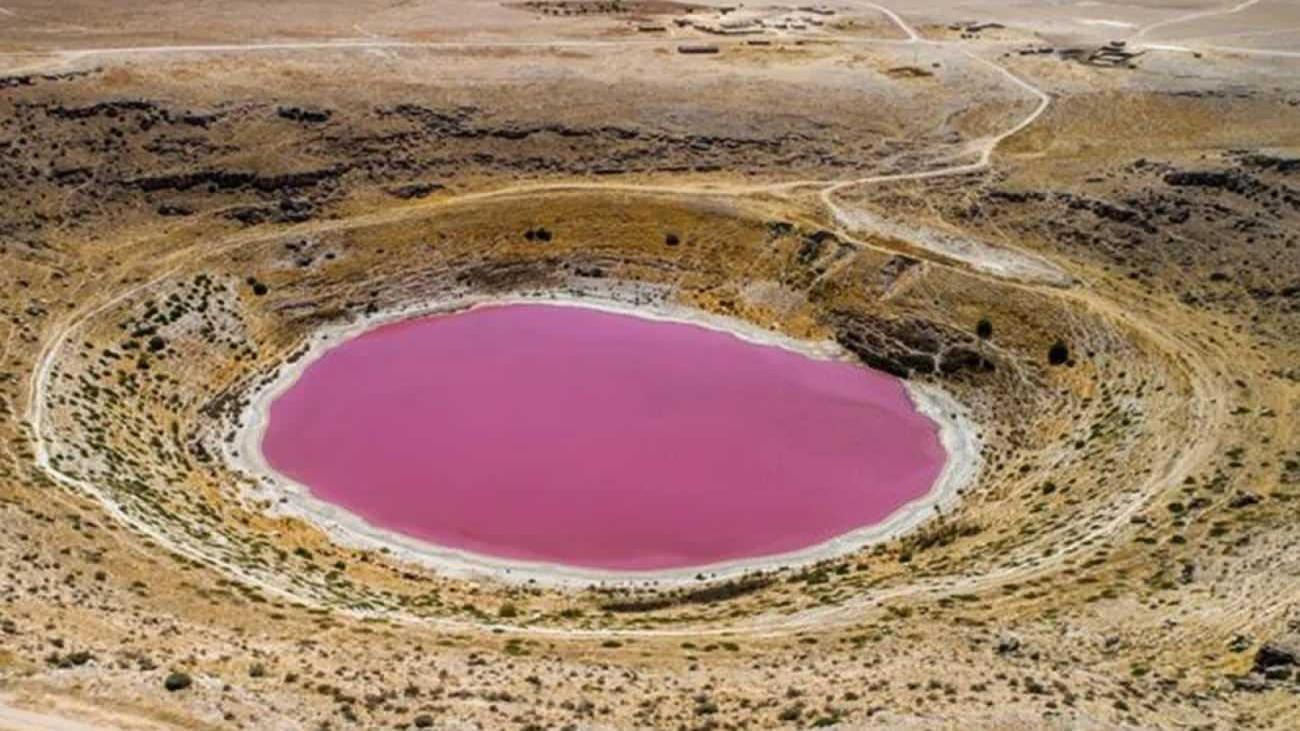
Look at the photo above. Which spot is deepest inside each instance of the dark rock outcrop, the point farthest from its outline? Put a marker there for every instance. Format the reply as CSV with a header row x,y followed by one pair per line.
x,y
1233,181
236,180
908,346
511,275
412,191
303,116
1282,651
19,80
1260,161
289,210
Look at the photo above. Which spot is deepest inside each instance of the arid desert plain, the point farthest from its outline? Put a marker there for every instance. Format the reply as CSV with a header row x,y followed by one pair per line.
x,y
643,364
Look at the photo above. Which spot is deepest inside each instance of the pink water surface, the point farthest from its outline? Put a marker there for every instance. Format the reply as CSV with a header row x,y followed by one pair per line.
x,y
590,439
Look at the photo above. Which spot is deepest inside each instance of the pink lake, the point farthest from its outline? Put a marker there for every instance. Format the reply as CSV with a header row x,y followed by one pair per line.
x,y
574,436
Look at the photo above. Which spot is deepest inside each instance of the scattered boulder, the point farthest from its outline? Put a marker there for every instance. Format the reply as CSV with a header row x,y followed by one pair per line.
x,y
177,681
1283,651
1243,500
1008,645
172,211
1276,661
1277,672
958,358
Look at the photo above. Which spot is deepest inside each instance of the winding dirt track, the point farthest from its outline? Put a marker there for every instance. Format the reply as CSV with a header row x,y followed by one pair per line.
x,y
70,715
15,719
1199,15
1191,359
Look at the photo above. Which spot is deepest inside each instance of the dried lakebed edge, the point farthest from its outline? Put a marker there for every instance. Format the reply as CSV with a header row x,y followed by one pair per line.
x,y
288,498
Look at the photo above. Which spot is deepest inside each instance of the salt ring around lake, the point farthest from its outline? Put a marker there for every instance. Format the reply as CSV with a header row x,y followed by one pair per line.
x,y
568,441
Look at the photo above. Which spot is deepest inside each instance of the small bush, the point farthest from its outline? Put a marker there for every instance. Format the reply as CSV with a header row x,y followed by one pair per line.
x,y
540,233
1058,354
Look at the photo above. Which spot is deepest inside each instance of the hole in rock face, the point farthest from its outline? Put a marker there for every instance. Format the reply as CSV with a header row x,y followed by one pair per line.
x,y
581,437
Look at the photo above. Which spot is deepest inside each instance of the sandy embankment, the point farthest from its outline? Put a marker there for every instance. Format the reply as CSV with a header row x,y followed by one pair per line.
x,y
288,498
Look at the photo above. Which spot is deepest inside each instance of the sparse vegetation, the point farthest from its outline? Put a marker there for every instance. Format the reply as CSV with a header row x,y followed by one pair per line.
x,y
177,231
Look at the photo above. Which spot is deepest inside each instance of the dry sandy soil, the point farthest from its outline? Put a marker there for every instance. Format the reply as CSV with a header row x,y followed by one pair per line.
x,y
193,189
